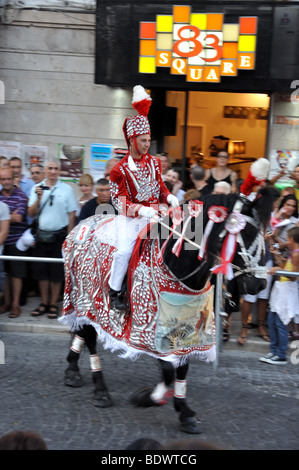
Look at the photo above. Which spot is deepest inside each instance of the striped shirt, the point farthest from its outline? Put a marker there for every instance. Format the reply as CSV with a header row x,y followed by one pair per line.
x,y
16,201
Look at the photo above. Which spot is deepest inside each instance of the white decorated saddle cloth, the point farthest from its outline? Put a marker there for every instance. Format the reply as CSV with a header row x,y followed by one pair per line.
x,y
165,320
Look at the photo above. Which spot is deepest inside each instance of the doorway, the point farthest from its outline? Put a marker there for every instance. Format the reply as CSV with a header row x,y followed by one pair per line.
x,y
205,120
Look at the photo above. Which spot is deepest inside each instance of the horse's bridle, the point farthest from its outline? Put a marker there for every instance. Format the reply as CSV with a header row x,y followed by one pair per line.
x,y
252,254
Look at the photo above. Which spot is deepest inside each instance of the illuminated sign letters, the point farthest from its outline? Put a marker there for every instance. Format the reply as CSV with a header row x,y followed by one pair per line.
x,y
197,45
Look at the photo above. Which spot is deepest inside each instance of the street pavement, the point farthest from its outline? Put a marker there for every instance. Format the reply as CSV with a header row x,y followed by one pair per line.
x,y
241,403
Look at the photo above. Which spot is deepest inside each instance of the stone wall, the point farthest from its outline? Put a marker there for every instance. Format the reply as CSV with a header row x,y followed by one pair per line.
x,y
47,65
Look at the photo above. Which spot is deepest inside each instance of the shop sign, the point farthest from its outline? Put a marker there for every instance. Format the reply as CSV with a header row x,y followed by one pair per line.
x,y
199,46
286,120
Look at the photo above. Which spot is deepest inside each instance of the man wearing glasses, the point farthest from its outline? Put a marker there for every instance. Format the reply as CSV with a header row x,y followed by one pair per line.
x,y
55,205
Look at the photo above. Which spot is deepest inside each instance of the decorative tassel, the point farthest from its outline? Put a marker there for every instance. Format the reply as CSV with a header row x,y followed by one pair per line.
x,y
195,208
234,224
226,256
177,215
216,214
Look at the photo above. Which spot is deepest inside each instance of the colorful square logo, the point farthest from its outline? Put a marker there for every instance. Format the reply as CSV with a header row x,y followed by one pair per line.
x,y
198,45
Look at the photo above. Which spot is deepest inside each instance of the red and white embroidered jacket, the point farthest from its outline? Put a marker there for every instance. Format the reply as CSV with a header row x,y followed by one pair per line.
x,y
137,183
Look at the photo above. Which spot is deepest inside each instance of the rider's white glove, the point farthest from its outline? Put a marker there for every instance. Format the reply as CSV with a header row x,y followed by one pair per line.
x,y
148,212
173,201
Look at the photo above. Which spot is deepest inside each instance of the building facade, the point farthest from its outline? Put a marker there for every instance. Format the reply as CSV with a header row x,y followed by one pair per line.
x,y
225,69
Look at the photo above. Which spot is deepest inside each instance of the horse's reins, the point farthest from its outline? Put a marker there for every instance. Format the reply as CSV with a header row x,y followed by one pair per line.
x,y
177,233
187,240
244,253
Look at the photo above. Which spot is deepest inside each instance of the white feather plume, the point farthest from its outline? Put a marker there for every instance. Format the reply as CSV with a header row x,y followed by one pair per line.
x,y
260,168
139,94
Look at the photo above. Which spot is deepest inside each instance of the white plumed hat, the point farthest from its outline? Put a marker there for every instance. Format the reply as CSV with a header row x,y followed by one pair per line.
x,y
138,125
257,175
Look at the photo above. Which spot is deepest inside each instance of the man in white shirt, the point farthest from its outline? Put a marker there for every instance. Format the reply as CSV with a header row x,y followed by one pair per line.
x,y
55,204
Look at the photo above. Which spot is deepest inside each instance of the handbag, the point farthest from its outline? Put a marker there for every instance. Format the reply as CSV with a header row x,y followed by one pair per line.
x,y
50,236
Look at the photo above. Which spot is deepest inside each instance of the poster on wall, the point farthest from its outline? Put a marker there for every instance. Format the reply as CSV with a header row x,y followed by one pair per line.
x,y
283,159
33,154
99,155
10,149
71,158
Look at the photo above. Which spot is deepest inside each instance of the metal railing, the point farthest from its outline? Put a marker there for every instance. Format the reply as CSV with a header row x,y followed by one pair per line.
x,y
31,258
218,304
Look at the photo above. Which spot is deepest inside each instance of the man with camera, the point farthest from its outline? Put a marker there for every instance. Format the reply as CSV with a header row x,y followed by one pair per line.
x,y
53,204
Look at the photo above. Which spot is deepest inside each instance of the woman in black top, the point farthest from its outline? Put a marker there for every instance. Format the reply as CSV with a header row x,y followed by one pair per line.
x,y
221,172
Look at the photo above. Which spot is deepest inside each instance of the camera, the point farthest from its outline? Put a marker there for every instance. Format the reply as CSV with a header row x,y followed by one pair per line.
x,y
44,188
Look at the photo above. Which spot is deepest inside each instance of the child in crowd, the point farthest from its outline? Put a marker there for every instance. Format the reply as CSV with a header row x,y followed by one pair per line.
x,y
284,300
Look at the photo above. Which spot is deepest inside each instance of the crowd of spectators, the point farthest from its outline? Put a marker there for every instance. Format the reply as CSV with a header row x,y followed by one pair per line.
x,y
36,214
254,309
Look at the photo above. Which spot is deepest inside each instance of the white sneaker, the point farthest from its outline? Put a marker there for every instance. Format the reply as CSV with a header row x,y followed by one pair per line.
x,y
266,357
272,359
277,360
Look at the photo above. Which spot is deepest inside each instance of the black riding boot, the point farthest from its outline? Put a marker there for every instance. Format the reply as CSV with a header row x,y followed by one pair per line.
x,y
117,300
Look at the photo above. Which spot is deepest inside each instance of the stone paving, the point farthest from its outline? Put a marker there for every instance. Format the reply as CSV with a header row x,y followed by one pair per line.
x,y
241,404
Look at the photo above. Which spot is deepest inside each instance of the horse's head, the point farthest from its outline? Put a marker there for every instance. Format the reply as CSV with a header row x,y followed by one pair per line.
x,y
232,241
249,262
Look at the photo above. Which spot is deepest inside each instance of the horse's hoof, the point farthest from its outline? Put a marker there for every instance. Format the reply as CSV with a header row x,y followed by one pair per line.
x,y
190,425
102,399
72,378
142,397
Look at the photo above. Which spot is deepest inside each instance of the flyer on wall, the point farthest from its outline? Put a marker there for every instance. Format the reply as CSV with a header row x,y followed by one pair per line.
x,y
33,154
10,149
99,155
72,161
283,159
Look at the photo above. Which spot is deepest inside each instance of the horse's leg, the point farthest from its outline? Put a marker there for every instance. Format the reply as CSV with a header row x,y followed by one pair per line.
x,y
187,416
162,391
72,376
101,396
148,396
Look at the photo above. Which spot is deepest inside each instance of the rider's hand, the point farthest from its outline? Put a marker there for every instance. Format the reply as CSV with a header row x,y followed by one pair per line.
x,y
173,201
148,212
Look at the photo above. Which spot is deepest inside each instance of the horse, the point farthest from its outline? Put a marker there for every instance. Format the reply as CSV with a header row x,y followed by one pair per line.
x,y
169,290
